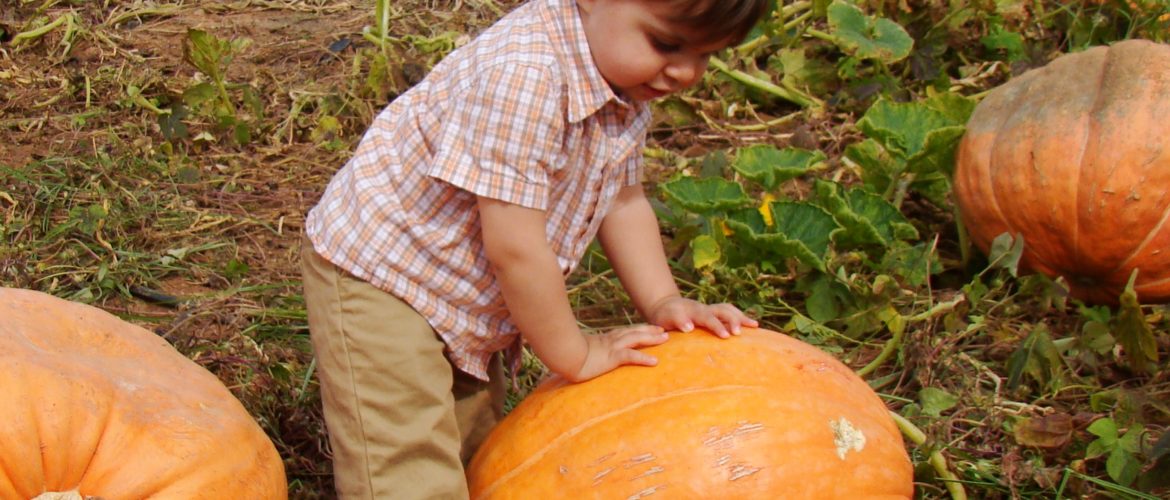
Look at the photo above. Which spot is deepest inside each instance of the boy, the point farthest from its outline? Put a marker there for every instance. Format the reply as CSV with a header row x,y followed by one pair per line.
x,y
448,236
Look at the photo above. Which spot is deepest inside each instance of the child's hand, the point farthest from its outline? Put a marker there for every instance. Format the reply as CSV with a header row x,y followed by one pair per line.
x,y
617,347
684,314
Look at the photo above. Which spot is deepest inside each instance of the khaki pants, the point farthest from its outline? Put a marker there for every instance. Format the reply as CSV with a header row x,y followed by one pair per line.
x,y
402,420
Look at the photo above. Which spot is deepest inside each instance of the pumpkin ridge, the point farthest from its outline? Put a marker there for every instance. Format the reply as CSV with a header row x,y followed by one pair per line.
x,y
1154,283
999,132
986,172
1092,130
1153,233
539,454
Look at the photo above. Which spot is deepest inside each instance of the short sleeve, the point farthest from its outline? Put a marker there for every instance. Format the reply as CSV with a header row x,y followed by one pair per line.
x,y
631,167
501,137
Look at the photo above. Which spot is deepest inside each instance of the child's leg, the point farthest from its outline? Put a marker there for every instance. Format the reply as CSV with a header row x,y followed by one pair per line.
x,y
478,406
386,388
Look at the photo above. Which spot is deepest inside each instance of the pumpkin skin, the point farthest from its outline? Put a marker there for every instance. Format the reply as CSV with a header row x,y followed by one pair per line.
x,y
94,406
1075,157
759,415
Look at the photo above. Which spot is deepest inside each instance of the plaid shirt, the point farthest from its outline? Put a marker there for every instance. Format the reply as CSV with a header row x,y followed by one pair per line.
x,y
520,114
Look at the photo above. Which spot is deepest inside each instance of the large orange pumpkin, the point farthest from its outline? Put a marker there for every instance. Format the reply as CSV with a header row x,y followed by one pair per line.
x,y
760,415
1075,157
92,406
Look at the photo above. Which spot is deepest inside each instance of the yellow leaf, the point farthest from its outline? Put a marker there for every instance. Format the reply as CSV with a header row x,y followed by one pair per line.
x,y
766,208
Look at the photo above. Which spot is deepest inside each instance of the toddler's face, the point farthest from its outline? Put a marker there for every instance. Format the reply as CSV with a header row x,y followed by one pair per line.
x,y
639,51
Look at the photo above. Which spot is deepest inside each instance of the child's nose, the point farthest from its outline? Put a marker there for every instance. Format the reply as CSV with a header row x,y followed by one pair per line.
x,y
686,70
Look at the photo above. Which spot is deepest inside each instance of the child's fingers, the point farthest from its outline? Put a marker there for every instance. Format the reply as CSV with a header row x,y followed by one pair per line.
x,y
638,336
624,348
678,319
722,319
733,317
711,321
634,357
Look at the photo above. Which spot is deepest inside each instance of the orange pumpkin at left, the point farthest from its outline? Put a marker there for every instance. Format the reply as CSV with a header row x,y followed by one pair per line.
x,y
93,406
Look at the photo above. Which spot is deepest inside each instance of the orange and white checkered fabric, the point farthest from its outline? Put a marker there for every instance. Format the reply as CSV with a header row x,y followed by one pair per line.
x,y
520,114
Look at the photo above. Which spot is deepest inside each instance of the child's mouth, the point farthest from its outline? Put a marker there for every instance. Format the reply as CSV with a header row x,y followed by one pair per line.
x,y
648,93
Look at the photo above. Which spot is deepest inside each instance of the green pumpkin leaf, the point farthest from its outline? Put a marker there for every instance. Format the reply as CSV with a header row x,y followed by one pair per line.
x,y
676,112
879,169
706,196
913,263
868,37
866,218
705,251
770,166
955,108
1133,332
1006,252
934,401
821,302
999,39
918,133
800,230
714,164
1037,357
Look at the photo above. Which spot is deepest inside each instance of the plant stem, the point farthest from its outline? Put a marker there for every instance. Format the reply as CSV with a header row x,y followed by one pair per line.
x,y
790,95
964,238
888,350
936,459
903,187
29,35
815,33
145,12
895,341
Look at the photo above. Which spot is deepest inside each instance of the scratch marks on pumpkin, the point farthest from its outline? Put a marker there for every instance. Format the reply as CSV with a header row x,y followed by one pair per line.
x,y
568,435
739,471
601,475
629,463
640,459
646,492
727,440
846,437
602,459
649,472
721,440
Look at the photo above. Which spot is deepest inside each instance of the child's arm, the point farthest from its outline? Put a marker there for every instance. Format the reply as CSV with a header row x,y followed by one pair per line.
x,y
528,275
629,234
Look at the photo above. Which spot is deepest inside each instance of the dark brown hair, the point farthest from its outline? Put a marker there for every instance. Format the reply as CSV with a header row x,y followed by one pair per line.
x,y
719,19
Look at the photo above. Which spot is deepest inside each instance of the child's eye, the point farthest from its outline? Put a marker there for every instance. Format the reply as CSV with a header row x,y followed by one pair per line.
x,y
664,46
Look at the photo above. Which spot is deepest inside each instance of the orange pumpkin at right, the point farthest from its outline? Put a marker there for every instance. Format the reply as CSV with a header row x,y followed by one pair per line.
x,y
1075,157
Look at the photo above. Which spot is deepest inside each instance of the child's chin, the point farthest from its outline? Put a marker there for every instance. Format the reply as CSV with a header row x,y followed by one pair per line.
x,y
644,93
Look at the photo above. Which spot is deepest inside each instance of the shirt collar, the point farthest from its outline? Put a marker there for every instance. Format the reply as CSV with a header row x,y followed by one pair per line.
x,y
588,91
